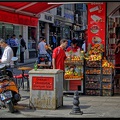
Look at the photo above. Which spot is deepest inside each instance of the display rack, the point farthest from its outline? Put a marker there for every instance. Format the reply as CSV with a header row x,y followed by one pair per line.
x,y
98,79
107,82
74,81
93,77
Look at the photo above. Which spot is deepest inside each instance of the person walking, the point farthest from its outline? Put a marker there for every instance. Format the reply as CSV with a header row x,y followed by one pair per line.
x,y
7,53
59,56
22,48
14,44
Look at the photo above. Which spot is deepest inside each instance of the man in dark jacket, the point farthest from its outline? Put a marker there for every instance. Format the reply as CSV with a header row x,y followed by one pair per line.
x,y
22,48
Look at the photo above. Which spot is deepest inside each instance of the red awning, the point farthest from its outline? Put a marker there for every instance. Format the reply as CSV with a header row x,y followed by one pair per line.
x,y
26,13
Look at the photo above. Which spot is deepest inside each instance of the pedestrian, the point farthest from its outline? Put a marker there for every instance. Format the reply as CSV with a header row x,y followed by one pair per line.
x,y
22,48
7,53
59,56
14,44
117,62
42,50
8,39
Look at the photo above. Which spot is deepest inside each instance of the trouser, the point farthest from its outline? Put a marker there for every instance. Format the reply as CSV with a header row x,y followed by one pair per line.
x,y
21,56
14,51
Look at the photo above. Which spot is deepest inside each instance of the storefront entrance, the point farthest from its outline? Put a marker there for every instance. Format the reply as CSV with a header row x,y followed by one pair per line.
x,y
113,36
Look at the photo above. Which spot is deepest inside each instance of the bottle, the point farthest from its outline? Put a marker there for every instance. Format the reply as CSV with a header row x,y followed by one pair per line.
x,y
35,66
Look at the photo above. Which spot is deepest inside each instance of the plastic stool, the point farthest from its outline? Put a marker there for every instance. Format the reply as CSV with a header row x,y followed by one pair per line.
x,y
19,77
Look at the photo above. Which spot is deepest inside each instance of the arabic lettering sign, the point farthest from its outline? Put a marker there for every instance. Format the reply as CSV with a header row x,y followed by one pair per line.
x,y
96,23
42,83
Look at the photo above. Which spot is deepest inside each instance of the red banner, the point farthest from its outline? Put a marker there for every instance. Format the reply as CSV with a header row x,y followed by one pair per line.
x,y
18,19
42,83
96,23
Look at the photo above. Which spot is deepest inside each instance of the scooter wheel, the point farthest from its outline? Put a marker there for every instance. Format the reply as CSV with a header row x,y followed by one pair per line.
x,y
11,107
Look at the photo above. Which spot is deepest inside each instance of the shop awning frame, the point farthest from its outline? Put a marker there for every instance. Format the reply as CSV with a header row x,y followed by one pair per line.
x,y
23,13
27,8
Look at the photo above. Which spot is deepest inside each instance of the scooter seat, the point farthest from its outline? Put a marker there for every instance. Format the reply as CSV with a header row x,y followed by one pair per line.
x,y
18,76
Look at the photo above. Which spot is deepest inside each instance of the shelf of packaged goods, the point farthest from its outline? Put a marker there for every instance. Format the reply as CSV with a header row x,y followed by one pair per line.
x,y
93,67
107,74
107,88
93,74
93,81
74,62
92,88
75,79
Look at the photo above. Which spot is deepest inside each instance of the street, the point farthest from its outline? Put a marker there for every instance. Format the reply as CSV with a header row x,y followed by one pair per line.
x,y
91,106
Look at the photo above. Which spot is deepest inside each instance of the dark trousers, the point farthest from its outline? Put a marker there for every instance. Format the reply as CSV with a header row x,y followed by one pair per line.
x,y
21,56
14,51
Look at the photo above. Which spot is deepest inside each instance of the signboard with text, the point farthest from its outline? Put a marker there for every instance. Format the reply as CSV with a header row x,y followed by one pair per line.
x,y
42,83
96,23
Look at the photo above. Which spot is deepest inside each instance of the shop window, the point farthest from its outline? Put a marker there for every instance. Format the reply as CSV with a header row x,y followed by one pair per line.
x,y
8,30
69,7
59,11
31,38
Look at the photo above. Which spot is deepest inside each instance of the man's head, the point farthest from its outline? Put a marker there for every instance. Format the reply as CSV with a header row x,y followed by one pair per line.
x,y
13,36
20,36
63,43
3,43
74,43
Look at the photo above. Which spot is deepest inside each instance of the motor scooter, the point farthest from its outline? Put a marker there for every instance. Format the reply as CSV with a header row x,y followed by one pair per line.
x,y
9,91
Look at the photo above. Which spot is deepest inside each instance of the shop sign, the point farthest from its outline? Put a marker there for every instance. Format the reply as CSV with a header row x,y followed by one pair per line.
x,y
18,19
96,23
42,83
69,16
46,18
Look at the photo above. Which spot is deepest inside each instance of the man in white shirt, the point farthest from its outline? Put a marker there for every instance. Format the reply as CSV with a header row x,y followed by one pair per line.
x,y
84,46
7,54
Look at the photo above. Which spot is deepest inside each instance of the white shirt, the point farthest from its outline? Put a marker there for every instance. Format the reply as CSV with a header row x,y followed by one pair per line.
x,y
7,55
42,49
83,47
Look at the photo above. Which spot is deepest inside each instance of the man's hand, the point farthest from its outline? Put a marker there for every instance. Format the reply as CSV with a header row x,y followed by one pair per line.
x,y
0,60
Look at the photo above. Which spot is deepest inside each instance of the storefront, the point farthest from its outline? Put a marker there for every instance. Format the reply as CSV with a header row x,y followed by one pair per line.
x,y
22,18
46,20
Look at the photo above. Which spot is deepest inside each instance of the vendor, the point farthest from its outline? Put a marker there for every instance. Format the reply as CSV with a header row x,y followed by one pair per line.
x,y
74,47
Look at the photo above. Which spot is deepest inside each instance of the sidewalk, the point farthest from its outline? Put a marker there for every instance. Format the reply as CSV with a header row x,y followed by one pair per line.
x,y
28,61
92,107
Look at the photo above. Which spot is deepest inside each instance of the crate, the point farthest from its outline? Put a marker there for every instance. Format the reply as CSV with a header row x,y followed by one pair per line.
x,y
107,92
93,92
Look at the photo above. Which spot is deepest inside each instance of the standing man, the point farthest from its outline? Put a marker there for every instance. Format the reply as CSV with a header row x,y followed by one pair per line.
x,y
7,54
14,44
59,57
22,48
